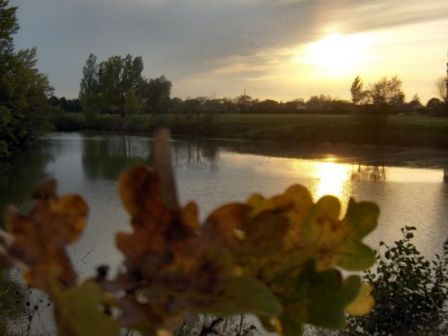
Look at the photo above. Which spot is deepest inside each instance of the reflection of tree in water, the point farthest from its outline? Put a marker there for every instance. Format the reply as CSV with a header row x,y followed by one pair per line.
x,y
19,177
107,157
196,155
17,180
369,173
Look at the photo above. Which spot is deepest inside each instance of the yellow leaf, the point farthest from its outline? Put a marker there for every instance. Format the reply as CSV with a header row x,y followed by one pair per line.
x,y
363,303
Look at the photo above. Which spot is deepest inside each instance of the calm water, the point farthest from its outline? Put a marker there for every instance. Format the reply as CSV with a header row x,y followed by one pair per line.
x,y
407,184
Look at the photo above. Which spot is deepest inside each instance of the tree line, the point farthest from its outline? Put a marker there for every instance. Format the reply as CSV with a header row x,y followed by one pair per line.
x,y
116,86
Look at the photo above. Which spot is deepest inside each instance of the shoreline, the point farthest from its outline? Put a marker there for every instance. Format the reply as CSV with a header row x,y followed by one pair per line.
x,y
344,153
288,129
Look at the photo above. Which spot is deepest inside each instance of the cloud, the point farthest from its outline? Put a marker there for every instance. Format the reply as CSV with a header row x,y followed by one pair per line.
x,y
187,38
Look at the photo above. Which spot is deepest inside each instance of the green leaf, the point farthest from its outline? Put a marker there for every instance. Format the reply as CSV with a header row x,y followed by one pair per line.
x,y
244,295
77,312
354,255
360,219
316,297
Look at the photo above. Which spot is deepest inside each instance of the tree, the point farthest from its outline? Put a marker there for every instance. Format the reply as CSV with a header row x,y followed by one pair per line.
x,y
359,95
415,104
117,86
155,94
88,94
441,88
24,91
435,106
8,27
387,92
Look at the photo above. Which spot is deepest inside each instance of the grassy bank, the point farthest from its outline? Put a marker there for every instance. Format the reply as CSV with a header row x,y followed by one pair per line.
x,y
288,128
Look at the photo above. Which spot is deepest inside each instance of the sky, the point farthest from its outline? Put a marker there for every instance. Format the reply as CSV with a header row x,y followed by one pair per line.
x,y
279,49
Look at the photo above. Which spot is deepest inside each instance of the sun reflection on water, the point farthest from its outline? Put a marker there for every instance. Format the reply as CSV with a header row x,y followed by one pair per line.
x,y
328,176
333,179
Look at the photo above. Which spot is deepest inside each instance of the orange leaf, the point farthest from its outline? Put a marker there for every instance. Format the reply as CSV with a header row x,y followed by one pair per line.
x,y
39,238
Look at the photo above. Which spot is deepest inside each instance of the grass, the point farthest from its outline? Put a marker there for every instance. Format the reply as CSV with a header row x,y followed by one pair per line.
x,y
290,128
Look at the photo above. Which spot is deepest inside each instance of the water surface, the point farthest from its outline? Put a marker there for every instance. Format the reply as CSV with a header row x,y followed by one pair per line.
x,y
407,184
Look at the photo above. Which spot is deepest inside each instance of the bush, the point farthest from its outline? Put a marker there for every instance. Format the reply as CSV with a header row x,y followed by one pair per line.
x,y
410,292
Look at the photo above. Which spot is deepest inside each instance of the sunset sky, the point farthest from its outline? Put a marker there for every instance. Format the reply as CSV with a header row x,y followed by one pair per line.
x,y
281,49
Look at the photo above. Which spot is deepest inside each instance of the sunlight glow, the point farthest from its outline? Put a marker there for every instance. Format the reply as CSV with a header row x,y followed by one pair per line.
x,y
333,180
336,54
328,176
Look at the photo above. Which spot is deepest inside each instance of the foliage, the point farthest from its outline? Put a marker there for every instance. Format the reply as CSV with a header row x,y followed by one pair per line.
x,y
155,94
277,258
209,325
117,86
442,88
411,292
387,91
24,109
359,95
8,27
384,93
66,105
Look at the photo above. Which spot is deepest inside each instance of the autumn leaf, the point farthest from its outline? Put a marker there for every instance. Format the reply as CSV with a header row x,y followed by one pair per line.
x,y
39,237
363,303
78,311
339,242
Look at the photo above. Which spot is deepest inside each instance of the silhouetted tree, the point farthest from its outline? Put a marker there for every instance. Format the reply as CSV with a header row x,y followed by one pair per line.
x,y
359,95
435,107
387,92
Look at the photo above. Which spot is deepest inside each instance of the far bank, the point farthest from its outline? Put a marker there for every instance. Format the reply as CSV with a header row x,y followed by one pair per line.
x,y
406,131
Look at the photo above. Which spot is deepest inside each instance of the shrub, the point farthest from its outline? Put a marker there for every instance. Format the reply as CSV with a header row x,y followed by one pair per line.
x,y
410,292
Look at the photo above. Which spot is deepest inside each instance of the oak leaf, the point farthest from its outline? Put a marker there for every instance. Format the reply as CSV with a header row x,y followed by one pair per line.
x,y
40,237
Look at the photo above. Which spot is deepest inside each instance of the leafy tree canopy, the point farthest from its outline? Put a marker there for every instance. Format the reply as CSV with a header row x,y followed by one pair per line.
x,y
116,86
24,91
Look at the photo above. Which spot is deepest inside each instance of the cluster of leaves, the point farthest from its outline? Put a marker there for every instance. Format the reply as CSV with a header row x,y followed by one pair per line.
x,y
24,91
277,258
411,292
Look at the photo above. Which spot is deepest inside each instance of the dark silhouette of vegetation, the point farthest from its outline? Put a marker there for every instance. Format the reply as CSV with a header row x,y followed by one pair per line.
x,y
411,292
24,91
116,86
359,95
66,105
209,325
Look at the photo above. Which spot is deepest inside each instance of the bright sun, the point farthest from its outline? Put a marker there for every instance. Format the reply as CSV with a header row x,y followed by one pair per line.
x,y
336,54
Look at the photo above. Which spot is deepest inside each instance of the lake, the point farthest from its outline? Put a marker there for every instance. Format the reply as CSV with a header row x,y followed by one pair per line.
x,y
407,184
